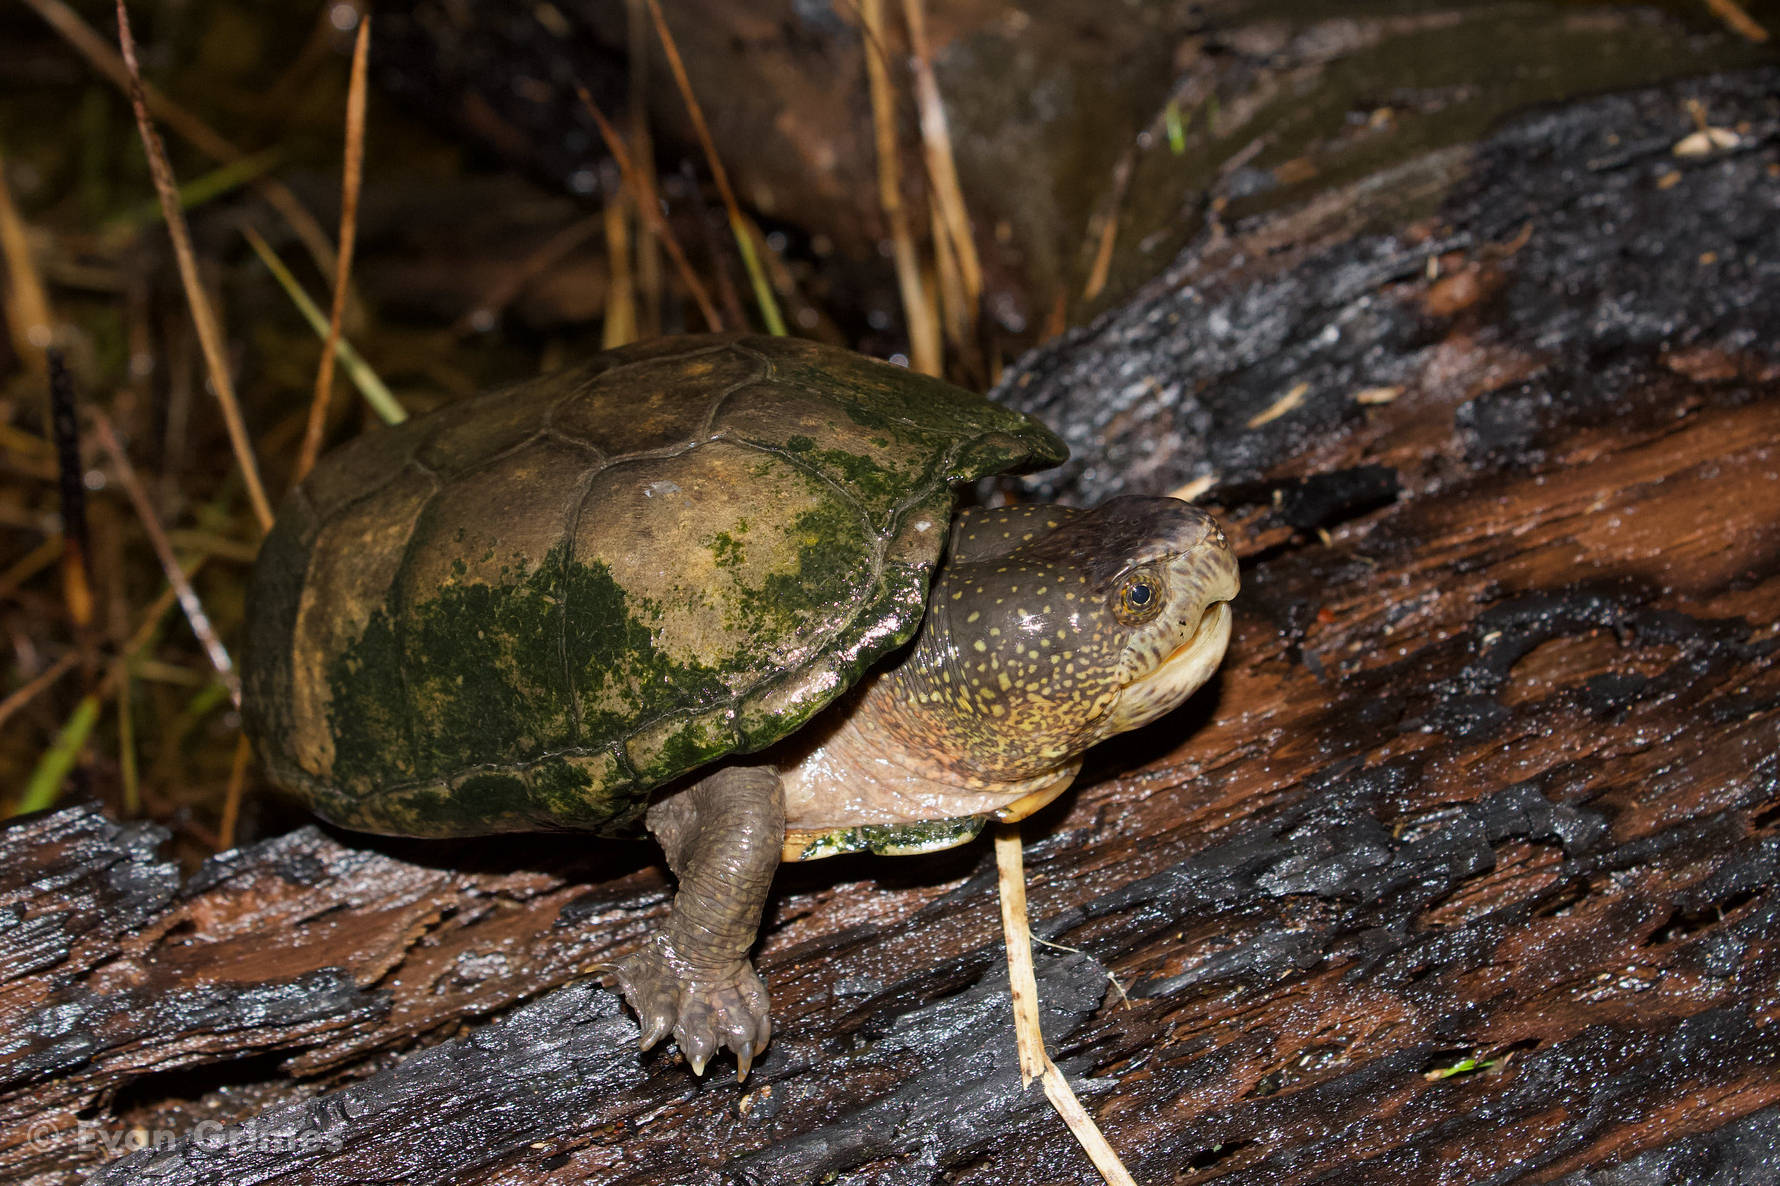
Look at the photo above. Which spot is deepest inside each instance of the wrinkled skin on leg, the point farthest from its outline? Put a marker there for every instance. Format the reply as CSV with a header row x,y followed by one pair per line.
x,y
723,837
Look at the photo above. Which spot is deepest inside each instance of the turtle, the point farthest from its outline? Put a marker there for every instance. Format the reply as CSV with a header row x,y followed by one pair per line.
x,y
718,588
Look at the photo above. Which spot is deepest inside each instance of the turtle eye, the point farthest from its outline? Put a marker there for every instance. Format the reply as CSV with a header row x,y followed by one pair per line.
x,y
1140,597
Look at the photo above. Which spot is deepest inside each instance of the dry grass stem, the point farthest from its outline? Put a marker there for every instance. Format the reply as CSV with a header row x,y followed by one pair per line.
x,y
105,60
1189,491
705,218
30,451
1082,1126
1010,867
763,292
487,310
1732,14
1103,228
231,812
648,283
954,301
1098,272
923,325
1289,402
29,565
170,566
352,176
388,408
1023,984
1105,231
1118,987
619,326
642,191
210,338
37,685
126,742
942,172
77,545
27,303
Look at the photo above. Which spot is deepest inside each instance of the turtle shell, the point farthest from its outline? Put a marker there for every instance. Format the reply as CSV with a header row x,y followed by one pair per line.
x,y
529,609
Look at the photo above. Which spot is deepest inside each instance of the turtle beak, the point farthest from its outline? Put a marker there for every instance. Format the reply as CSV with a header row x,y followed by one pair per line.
x,y
1203,580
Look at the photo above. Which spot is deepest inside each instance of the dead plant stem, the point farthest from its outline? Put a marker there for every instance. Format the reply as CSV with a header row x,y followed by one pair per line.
x,y
203,318
352,176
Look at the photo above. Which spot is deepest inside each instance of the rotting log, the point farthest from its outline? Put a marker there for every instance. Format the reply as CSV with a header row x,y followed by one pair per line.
x,y
1462,871
1061,113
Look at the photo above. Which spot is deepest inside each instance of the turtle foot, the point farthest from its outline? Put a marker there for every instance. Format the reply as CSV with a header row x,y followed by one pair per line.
x,y
705,1013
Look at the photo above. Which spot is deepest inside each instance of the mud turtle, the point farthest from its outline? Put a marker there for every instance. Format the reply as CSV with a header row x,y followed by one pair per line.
x,y
676,587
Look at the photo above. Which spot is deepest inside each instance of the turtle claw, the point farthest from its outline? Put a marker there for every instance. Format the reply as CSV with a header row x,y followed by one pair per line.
x,y
705,1014
697,1043
654,1027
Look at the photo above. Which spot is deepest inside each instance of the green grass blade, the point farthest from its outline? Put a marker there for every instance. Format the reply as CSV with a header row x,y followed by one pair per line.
x,y
45,784
763,290
385,404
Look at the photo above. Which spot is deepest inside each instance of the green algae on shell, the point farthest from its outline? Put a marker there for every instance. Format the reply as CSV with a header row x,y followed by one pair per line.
x,y
530,609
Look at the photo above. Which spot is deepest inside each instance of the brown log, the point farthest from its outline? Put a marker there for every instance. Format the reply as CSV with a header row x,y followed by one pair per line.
x,y
1463,870
1079,130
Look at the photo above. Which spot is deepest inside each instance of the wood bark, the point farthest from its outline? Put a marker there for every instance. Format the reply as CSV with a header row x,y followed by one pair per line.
x,y
1084,137
1463,870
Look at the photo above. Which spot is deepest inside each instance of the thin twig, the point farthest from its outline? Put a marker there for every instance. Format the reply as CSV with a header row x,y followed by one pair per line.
x,y
1023,984
703,217
487,310
352,170
37,685
1106,233
924,339
29,565
27,304
209,334
151,525
1732,14
651,212
126,742
77,579
101,57
763,291
231,813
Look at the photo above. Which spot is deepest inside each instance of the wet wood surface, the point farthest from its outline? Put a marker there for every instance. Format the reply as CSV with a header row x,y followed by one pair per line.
x,y
1090,147
1463,870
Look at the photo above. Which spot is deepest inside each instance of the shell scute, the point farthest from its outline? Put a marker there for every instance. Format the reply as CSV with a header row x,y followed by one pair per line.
x,y
478,602
470,434
731,566
530,609
666,402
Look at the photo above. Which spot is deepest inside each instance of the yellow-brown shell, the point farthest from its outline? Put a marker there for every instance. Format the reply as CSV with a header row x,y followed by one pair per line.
x,y
530,608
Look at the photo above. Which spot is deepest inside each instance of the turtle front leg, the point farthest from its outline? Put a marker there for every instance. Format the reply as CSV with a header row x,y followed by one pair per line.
x,y
723,836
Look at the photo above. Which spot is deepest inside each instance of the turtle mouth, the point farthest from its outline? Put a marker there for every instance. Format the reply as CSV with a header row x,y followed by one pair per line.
x,y
1212,631
1176,677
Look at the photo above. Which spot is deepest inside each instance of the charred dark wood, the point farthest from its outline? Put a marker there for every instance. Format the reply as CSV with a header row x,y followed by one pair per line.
x,y
1463,870
1062,119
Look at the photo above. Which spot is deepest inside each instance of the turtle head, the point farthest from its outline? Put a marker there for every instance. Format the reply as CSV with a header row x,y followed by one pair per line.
x,y
1052,629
